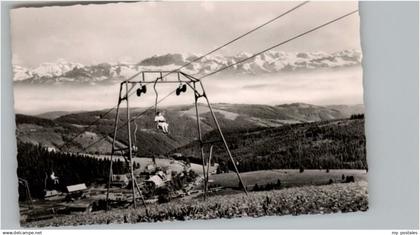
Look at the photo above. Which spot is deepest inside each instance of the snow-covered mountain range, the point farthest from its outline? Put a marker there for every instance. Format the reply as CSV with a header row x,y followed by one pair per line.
x,y
62,71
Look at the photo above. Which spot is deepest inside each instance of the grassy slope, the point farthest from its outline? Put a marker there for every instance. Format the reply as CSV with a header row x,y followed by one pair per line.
x,y
37,130
305,200
287,177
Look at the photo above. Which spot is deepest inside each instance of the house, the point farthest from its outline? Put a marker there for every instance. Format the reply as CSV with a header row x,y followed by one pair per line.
x,y
76,188
117,196
158,180
79,206
213,168
150,168
155,181
76,191
162,175
120,180
53,195
177,156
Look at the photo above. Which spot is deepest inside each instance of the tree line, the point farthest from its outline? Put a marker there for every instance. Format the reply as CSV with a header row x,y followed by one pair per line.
x,y
337,144
36,164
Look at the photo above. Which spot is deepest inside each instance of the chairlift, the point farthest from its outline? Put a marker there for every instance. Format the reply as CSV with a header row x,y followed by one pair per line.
x,y
182,84
54,178
142,89
161,121
181,88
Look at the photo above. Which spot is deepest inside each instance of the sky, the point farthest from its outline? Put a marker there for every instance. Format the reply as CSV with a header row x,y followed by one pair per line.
x,y
130,32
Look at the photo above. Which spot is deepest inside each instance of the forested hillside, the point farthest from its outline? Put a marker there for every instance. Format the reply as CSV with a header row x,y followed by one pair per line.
x,y
36,163
338,144
335,144
77,132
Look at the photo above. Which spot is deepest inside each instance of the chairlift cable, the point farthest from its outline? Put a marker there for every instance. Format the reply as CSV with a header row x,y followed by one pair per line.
x,y
183,66
94,122
241,61
132,119
239,37
279,44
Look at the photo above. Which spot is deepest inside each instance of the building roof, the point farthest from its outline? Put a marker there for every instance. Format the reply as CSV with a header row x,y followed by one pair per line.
x,y
51,193
119,178
150,167
177,155
161,175
156,180
76,187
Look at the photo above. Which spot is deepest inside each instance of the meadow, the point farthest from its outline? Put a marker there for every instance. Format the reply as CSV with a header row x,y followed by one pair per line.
x,y
287,177
325,199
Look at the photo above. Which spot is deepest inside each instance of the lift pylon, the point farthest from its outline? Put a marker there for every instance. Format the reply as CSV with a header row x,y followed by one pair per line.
x,y
139,81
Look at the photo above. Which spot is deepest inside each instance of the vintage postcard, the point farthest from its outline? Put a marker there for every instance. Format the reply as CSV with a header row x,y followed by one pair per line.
x,y
139,112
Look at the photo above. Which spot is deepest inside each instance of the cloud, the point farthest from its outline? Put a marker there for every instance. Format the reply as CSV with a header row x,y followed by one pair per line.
x,y
208,6
343,86
16,59
106,32
255,86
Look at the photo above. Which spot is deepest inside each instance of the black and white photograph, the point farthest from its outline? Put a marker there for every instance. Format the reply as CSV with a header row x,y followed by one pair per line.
x,y
149,112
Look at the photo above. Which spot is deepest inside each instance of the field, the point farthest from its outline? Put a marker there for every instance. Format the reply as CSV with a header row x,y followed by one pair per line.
x,y
324,199
287,177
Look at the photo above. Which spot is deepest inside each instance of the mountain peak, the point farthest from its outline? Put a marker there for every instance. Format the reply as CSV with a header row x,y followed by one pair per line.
x,y
162,60
268,62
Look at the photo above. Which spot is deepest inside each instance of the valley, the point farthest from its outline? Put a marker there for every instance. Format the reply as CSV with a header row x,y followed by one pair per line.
x,y
238,118
276,148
